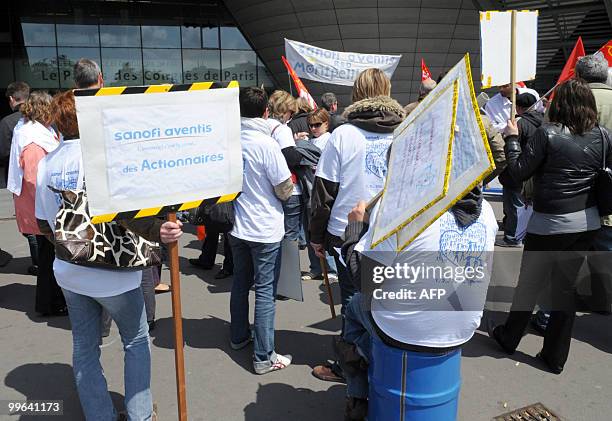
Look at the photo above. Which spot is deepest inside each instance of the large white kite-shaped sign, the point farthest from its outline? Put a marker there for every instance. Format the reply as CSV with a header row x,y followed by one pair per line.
x,y
471,156
151,150
419,165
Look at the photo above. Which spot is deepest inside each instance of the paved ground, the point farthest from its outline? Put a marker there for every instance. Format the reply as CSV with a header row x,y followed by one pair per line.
x,y
36,354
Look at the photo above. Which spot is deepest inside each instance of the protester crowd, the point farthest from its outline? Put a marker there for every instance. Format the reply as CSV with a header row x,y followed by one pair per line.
x,y
308,175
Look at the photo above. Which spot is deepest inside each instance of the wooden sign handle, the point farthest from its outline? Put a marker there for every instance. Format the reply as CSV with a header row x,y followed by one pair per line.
x,y
179,356
513,65
332,309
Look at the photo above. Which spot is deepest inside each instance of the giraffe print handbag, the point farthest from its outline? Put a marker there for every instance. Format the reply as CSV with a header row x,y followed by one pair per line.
x,y
108,245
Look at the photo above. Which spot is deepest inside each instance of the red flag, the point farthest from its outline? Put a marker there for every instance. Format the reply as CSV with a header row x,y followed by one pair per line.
x,y
425,73
568,69
606,51
299,85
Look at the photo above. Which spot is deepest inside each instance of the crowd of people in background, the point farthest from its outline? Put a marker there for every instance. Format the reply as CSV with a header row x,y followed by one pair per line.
x,y
307,176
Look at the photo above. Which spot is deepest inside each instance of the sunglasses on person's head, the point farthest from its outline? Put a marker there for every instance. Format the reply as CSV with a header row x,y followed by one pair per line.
x,y
315,125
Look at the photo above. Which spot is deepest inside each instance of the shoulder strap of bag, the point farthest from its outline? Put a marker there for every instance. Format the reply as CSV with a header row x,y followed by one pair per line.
x,y
604,142
274,129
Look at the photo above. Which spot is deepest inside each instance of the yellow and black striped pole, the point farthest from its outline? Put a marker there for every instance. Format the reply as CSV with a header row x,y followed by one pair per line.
x,y
170,212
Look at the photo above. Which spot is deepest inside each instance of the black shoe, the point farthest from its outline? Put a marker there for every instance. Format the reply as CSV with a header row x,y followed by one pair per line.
x,y
495,332
198,263
356,409
222,274
5,258
554,368
33,270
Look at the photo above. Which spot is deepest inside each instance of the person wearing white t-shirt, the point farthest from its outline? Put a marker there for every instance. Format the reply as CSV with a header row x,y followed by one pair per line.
x,y
353,166
89,291
499,107
258,232
455,253
281,107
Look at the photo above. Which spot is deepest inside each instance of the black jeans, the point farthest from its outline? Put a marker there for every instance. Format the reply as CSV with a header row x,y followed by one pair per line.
x,y
600,267
209,251
33,247
49,296
557,258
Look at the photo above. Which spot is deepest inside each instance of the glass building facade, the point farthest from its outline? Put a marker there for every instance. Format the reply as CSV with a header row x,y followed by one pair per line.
x,y
135,43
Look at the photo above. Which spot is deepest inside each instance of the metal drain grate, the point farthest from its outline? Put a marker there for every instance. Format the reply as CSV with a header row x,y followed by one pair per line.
x,y
534,412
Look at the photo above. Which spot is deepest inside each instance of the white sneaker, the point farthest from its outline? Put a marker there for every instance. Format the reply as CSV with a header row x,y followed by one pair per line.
x,y
282,361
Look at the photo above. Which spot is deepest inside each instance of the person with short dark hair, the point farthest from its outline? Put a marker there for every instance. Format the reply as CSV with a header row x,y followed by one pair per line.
x,y
16,93
257,233
87,74
528,122
330,103
563,158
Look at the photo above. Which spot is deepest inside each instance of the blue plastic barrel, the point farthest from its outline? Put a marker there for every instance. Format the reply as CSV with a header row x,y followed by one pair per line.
x,y
413,386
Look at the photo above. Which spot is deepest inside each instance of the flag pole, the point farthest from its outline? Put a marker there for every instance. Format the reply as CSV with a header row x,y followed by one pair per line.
x,y
179,356
513,65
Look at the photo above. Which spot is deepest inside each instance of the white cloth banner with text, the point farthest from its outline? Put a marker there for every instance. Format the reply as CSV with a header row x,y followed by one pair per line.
x,y
143,151
335,67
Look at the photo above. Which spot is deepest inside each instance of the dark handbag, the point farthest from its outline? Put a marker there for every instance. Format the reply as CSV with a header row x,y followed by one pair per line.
x,y
217,217
603,180
108,245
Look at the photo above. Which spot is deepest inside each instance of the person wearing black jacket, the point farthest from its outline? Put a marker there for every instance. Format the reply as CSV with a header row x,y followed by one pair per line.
x,y
528,122
16,93
563,157
299,121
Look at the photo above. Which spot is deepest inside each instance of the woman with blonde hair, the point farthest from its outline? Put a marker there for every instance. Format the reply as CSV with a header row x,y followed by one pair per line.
x,y
282,106
352,167
34,138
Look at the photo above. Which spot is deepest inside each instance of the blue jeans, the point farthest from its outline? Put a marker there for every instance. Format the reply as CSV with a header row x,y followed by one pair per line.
x,y
315,263
358,330
512,202
128,312
347,289
293,217
255,264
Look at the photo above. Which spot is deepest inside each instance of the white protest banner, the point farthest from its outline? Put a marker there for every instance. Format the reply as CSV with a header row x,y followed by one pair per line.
x,y
146,148
335,67
471,155
495,38
419,165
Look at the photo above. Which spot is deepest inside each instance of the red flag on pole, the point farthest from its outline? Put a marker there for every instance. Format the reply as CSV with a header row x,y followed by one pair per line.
x,y
425,73
299,85
606,51
568,69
